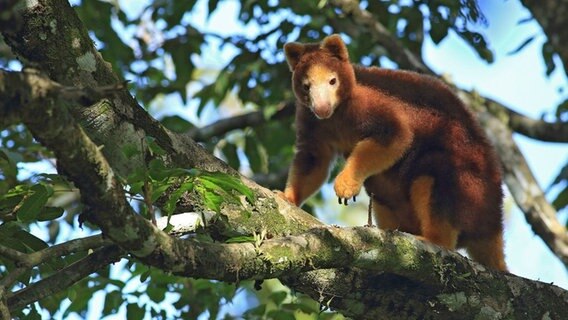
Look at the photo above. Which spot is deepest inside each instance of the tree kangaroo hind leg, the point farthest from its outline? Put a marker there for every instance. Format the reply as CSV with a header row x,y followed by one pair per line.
x,y
488,251
385,218
434,225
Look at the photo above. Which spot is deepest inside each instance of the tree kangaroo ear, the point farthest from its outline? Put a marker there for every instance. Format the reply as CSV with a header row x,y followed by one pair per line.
x,y
293,52
335,45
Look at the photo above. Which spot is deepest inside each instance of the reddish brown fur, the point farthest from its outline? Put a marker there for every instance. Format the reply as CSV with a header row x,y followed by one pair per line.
x,y
412,143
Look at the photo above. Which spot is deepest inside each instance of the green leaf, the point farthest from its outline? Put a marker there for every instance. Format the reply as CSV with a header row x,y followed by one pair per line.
x,y
30,241
79,303
221,86
240,239
212,4
157,170
256,311
155,292
145,275
170,204
304,307
134,311
278,297
228,183
561,200
50,213
477,41
8,229
561,110
522,45
130,150
281,315
33,203
548,56
230,152
159,191
155,149
177,124
212,200
53,302
438,29
113,301
25,277
255,154
13,198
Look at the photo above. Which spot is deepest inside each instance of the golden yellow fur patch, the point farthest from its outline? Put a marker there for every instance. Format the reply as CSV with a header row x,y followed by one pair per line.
x,y
488,251
369,158
386,219
433,228
320,74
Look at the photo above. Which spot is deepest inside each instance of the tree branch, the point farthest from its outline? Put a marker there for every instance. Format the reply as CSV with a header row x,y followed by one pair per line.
x,y
65,277
16,256
251,119
66,248
12,277
17,87
381,254
535,129
541,217
4,310
552,17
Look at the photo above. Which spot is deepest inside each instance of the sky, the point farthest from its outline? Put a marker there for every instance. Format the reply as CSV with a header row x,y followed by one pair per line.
x,y
517,81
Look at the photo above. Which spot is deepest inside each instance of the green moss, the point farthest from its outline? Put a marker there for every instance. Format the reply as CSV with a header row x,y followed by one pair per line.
x,y
488,313
454,301
406,252
53,26
264,214
356,307
87,62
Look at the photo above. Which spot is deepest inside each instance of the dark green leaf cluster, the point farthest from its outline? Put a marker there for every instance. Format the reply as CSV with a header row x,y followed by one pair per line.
x,y
157,180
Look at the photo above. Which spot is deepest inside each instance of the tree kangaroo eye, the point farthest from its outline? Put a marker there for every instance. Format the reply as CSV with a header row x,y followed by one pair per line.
x,y
333,81
306,87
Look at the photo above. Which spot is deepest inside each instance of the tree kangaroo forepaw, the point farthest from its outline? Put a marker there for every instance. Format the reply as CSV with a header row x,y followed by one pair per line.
x,y
346,188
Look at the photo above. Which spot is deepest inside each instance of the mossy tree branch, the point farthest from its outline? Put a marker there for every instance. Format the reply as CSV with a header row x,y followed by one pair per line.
x,y
94,172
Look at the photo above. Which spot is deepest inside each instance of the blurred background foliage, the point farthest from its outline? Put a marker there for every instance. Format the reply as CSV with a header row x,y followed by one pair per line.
x,y
164,48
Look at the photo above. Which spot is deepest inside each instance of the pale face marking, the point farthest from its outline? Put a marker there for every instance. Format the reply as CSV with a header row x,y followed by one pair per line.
x,y
321,85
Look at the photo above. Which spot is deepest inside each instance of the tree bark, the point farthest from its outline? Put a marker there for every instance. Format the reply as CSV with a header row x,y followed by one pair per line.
x,y
373,274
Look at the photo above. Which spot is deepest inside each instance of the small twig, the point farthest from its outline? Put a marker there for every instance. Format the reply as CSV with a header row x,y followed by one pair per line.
x,y
16,256
251,119
64,278
11,278
147,188
4,311
370,213
63,249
